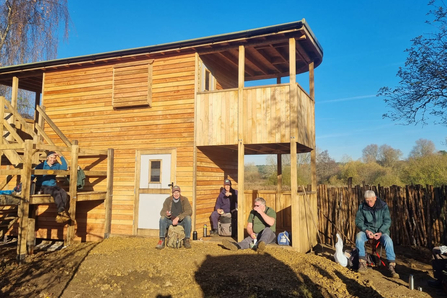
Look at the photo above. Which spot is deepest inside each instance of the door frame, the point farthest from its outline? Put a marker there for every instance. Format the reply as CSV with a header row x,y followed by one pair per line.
x,y
137,192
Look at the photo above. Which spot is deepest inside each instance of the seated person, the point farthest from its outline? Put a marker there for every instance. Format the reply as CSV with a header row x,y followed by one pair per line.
x,y
226,202
47,184
176,211
261,227
439,263
374,221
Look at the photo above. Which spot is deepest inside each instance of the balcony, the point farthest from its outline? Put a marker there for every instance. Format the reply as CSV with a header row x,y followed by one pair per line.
x,y
268,116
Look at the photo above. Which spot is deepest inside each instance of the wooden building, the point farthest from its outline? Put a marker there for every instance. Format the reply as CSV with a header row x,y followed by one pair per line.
x,y
181,113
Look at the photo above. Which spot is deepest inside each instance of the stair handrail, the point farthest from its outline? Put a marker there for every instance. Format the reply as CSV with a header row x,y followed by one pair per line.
x,y
53,126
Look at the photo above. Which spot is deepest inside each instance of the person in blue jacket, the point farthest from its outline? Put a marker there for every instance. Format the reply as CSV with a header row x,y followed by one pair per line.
x,y
226,202
47,184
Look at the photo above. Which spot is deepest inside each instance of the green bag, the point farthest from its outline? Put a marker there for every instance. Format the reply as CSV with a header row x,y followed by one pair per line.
x,y
176,234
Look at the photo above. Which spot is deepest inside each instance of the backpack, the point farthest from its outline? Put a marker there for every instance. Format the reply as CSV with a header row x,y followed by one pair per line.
x,y
283,238
176,234
224,226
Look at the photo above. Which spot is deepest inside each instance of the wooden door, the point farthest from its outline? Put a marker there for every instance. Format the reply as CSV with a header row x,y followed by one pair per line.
x,y
155,176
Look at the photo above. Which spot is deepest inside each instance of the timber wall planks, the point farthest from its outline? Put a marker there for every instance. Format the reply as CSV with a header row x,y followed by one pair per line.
x,y
80,103
214,164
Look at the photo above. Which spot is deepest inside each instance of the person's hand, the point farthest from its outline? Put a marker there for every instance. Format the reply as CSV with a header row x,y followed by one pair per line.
x,y
175,221
253,235
228,193
369,234
377,235
258,209
168,213
220,211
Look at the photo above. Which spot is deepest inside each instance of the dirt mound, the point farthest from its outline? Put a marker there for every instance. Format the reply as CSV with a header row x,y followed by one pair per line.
x,y
132,267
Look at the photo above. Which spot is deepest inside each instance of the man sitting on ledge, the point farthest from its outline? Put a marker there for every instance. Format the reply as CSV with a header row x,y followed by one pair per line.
x,y
261,228
47,184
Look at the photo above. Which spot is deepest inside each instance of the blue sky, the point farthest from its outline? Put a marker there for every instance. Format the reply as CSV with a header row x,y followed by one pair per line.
x,y
363,44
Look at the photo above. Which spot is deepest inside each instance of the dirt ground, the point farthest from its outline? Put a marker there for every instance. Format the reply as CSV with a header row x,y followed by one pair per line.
x,y
132,267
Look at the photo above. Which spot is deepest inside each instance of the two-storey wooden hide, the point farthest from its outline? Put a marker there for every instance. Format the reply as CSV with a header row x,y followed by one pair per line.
x,y
182,113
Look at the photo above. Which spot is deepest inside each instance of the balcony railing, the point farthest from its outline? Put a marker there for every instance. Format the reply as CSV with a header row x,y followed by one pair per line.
x,y
268,116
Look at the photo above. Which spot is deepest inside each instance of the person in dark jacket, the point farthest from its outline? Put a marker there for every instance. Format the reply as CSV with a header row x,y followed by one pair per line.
x,y
374,221
226,202
176,211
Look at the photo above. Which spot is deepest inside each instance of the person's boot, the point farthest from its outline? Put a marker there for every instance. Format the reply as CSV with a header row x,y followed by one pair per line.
x,y
363,267
214,233
160,244
62,217
230,245
392,269
186,243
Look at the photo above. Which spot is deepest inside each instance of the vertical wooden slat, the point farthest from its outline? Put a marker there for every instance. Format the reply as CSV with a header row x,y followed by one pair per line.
x,y
71,233
24,206
109,197
241,147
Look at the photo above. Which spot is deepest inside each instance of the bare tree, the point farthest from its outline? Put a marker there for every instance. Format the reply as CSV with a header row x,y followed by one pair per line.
x,y
29,30
423,148
422,90
370,153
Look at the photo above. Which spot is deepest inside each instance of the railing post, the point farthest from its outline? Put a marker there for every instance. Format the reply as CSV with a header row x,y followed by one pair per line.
x,y
71,233
24,206
109,196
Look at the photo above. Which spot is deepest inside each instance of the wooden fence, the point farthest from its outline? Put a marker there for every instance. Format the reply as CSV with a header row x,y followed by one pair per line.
x,y
418,213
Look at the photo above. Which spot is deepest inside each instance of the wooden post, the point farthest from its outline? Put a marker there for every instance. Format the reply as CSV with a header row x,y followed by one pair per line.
x,y
241,148
313,163
278,205
14,96
73,190
24,206
298,238
109,197
2,115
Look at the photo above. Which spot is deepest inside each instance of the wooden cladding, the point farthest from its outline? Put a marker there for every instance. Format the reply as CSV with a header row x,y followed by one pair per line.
x,y
132,84
268,118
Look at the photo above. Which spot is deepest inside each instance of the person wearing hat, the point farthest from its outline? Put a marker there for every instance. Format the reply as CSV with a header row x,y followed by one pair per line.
x,y
176,211
47,184
226,202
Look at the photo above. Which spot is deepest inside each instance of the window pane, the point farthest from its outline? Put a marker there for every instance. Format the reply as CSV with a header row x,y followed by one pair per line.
x,y
155,171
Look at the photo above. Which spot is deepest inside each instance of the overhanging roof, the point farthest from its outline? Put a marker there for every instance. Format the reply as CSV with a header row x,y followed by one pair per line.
x,y
266,52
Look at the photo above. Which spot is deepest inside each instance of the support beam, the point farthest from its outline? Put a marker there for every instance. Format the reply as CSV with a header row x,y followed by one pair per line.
x,y
295,207
14,98
24,206
278,205
241,148
313,161
71,232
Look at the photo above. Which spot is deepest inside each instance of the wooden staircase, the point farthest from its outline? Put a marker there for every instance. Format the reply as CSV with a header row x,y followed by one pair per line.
x,y
23,145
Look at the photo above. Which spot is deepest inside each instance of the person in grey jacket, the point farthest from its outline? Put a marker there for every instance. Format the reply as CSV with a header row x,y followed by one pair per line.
x,y
373,220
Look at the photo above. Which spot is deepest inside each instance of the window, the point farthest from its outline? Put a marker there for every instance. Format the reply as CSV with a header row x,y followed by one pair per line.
x,y
207,80
155,171
132,84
